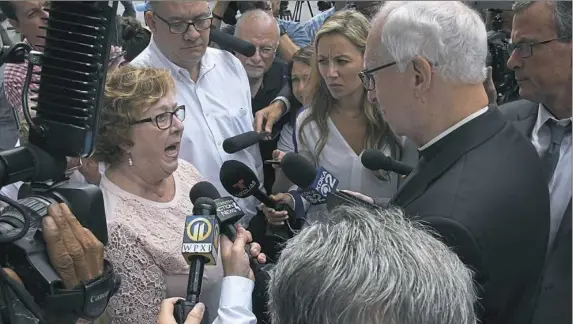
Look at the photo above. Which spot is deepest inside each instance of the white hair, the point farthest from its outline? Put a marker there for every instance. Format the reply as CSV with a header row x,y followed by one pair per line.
x,y
369,266
449,34
257,15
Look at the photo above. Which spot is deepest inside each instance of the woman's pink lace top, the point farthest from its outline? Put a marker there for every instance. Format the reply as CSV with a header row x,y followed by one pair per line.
x,y
145,248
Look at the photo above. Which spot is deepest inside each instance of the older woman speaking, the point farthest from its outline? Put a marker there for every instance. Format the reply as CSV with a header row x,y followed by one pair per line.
x,y
146,194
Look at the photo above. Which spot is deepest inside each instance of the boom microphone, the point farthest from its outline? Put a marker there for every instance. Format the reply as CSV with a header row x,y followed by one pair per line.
x,y
242,141
375,160
232,43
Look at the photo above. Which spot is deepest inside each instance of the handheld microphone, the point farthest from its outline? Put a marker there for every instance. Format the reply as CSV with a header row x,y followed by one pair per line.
x,y
200,247
228,211
228,214
233,43
318,185
242,141
241,182
375,160
315,183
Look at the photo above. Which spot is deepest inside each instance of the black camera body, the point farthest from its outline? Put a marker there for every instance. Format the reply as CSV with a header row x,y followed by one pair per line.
x,y
72,80
28,255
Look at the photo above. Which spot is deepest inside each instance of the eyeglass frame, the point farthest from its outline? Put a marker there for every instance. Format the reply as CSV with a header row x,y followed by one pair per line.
x,y
189,23
511,47
154,119
367,75
271,48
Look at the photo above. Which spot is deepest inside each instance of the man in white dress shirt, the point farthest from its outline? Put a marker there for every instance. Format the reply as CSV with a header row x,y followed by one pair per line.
x,y
212,84
541,59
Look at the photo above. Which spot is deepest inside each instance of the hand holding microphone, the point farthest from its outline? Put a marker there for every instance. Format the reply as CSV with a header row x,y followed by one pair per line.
x,y
166,312
277,217
235,259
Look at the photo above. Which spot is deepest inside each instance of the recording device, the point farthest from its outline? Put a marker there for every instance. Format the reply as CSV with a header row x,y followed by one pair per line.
x,y
232,43
317,184
375,160
74,61
200,247
242,182
242,141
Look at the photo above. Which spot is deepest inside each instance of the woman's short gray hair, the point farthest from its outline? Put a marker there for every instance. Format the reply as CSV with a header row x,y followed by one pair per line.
x,y
366,266
449,34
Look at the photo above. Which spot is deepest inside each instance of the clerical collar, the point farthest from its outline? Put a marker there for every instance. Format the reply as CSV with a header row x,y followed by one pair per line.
x,y
454,127
433,147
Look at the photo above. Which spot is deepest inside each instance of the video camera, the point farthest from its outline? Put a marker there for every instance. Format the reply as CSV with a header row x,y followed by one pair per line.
x,y
72,79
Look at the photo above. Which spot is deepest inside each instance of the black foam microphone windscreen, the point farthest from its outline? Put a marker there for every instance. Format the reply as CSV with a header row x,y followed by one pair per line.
x,y
74,66
233,43
375,160
242,141
298,169
203,189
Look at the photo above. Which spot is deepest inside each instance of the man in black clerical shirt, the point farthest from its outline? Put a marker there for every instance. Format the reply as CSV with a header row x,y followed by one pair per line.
x,y
268,75
470,184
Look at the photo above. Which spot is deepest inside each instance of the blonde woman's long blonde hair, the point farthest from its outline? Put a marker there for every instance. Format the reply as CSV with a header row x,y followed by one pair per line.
x,y
355,27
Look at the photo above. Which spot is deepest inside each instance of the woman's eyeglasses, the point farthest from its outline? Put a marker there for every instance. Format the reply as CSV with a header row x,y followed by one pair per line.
x,y
164,120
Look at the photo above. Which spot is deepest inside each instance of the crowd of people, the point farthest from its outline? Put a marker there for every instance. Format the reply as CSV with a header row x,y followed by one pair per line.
x,y
478,232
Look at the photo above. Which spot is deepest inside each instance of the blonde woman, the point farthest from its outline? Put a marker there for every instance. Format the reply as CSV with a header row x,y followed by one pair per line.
x,y
340,123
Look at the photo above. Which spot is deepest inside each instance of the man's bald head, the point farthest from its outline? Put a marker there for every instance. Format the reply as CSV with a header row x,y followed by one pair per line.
x,y
262,30
256,21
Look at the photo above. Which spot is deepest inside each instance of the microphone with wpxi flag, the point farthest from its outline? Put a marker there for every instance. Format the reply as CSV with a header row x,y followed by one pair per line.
x,y
200,247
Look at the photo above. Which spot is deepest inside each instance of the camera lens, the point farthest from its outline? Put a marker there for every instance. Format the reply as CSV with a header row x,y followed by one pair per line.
x,y
12,220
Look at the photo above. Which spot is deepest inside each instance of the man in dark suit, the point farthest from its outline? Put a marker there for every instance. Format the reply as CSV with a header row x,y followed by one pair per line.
x,y
470,184
542,63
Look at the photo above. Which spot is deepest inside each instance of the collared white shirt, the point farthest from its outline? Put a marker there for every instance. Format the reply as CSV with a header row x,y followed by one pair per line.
x,y
454,127
217,106
560,183
235,303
